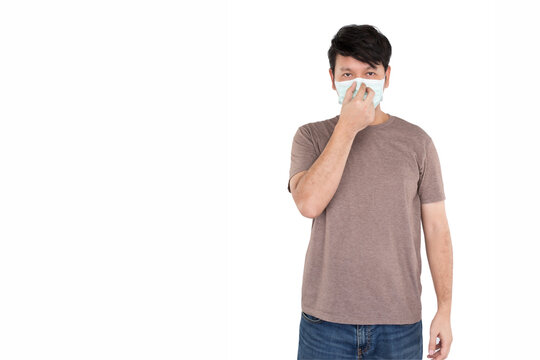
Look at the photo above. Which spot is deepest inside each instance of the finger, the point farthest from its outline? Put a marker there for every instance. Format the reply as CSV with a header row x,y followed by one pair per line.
x,y
437,349
445,348
370,95
437,355
350,91
432,343
361,92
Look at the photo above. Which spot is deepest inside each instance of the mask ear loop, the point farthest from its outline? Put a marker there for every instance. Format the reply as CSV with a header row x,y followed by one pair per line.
x,y
382,91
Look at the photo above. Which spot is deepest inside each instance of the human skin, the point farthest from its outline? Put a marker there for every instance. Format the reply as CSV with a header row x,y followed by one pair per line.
x,y
313,189
440,258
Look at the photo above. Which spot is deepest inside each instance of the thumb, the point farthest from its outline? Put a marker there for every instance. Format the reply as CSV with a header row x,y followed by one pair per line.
x,y
370,95
432,343
350,91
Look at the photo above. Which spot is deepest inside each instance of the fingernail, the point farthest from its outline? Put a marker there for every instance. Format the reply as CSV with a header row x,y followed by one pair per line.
x,y
431,352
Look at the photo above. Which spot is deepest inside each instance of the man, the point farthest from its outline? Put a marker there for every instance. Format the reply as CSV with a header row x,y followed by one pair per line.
x,y
368,180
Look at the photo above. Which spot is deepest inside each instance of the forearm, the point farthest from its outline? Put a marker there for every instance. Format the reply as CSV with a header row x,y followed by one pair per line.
x,y
440,257
319,184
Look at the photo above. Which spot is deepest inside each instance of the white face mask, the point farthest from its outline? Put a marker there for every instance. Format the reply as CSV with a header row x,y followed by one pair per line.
x,y
376,85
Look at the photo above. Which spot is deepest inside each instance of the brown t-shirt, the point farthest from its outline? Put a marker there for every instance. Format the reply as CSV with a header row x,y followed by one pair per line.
x,y
363,261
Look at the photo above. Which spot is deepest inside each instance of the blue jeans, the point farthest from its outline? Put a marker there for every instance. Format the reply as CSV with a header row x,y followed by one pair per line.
x,y
321,339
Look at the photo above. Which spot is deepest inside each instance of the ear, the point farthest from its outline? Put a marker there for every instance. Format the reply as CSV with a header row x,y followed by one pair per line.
x,y
387,80
332,78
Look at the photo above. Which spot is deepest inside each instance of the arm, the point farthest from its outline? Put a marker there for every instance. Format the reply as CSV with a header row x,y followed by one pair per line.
x,y
440,258
313,189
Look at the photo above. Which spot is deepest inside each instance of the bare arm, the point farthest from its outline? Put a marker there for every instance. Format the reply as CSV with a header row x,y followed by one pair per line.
x,y
315,188
439,253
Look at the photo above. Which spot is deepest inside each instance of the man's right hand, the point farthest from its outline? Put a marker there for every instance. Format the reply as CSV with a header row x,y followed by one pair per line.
x,y
357,113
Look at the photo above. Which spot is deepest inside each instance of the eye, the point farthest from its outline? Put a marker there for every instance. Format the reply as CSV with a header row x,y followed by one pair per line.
x,y
346,74
371,72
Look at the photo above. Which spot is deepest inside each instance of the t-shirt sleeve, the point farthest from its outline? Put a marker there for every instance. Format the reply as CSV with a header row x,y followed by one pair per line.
x,y
303,153
431,187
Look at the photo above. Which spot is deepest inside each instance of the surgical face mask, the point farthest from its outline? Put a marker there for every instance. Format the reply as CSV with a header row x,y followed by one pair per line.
x,y
376,85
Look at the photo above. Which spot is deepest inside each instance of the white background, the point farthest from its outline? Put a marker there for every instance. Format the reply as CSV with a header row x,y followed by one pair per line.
x,y
439,80
145,153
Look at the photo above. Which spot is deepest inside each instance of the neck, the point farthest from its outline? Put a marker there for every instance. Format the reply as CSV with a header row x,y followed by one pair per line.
x,y
380,117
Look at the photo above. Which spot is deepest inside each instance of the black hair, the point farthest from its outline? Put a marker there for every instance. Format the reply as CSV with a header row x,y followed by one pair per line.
x,y
363,42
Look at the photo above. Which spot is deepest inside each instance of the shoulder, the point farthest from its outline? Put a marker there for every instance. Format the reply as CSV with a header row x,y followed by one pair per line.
x,y
321,125
412,131
410,128
319,131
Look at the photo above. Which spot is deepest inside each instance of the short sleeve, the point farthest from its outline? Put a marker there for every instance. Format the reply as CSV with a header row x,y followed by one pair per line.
x,y
303,153
430,186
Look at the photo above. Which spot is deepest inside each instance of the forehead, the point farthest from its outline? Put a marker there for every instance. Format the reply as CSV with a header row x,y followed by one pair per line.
x,y
348,63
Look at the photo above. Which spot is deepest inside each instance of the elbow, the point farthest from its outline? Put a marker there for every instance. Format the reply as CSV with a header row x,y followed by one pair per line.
x,y
306,202
310,214
309,209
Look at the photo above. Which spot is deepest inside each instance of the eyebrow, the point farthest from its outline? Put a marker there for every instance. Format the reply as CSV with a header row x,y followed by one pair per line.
x,y
366,68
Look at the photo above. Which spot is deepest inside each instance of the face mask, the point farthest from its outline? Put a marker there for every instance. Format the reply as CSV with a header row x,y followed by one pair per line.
x,y
376,85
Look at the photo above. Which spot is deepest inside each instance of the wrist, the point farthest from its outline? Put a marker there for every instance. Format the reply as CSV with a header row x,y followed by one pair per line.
x,y
444,309
345,131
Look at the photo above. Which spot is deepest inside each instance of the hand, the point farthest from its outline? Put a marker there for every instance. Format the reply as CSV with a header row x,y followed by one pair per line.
x,y
357,112
440,327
